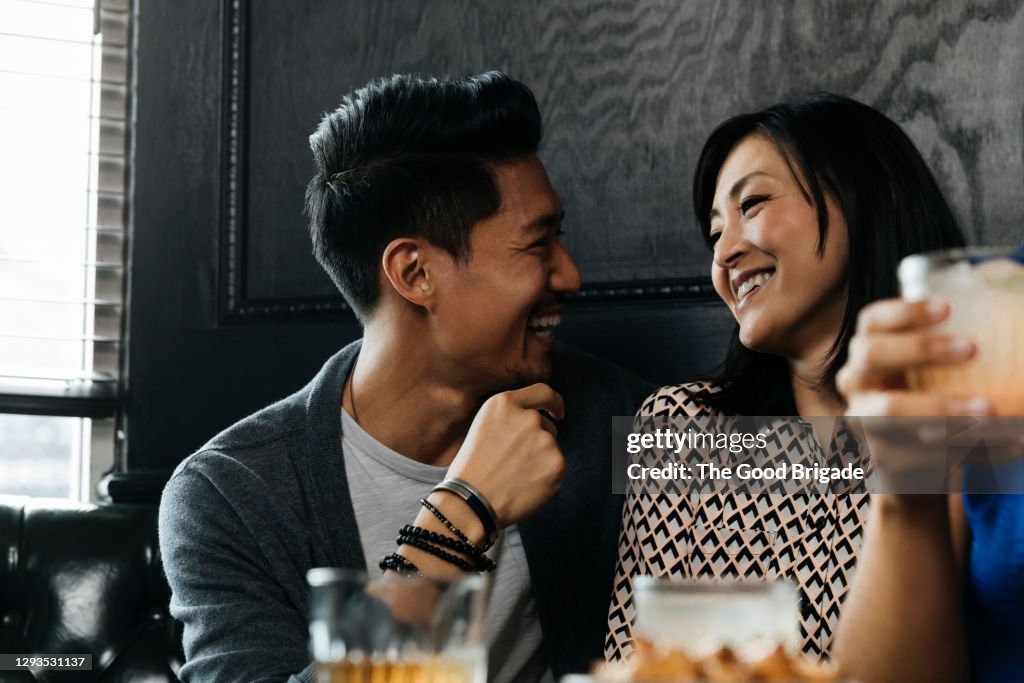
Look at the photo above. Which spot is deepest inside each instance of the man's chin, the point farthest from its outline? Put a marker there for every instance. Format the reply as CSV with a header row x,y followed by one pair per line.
x,y
524,376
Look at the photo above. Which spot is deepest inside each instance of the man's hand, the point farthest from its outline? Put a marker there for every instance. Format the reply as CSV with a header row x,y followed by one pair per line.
x,y
510,453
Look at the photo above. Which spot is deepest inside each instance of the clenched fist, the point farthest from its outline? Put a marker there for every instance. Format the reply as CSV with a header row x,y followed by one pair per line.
x,y
510,453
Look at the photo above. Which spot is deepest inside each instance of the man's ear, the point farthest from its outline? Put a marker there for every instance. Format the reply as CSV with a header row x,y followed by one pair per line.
x,y
405,263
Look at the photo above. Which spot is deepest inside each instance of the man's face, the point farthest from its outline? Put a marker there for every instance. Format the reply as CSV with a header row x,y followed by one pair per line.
x,y
495,313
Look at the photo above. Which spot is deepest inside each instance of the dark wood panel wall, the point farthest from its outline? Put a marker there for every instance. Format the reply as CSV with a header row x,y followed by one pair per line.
x,y
228,309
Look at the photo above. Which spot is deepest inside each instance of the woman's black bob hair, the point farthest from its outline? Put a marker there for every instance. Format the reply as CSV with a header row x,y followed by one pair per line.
x,y
892,205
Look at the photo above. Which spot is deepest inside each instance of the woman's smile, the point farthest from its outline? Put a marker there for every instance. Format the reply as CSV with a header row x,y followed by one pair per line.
x,y
750,283
784,284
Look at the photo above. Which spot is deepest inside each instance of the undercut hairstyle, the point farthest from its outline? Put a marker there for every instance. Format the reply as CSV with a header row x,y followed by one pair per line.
x,y
410,156
890,200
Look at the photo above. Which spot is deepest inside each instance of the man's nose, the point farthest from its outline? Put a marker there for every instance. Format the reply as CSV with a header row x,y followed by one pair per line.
x,y
564,275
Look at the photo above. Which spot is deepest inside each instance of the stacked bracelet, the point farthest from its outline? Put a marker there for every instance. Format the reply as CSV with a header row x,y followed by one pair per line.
x,y
448,525
481,562
470,556
436,551
396,563
477,502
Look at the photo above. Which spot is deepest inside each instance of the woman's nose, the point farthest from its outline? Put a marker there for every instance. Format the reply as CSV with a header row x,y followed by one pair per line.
x,y
730,246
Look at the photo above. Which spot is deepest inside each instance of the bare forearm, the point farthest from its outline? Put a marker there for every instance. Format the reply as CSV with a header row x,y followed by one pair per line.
x,y
903,620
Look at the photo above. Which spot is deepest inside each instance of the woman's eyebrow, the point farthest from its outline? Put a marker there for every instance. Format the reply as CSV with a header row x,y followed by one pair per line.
x,y
735,191
738,186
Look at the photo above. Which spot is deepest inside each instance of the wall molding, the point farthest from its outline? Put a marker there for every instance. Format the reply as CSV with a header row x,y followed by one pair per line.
x,y
235,306
683,290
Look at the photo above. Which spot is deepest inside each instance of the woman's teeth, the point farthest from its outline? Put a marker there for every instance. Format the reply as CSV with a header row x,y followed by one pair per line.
x,y
753,282
542,325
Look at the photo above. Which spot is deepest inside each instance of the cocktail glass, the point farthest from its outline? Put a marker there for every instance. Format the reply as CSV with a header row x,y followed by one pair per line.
x,y
986,288
396,629
701,617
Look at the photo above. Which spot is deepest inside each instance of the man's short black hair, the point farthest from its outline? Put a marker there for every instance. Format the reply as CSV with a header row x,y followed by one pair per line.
x,y
411,156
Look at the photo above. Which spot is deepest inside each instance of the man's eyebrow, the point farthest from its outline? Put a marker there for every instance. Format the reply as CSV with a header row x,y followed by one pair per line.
x,y
544,222
735,191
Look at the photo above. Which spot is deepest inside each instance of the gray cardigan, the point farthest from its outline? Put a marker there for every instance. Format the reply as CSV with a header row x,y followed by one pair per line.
x,y
244,518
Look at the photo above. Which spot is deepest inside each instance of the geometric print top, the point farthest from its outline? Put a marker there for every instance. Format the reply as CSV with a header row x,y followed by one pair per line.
x,y
812,540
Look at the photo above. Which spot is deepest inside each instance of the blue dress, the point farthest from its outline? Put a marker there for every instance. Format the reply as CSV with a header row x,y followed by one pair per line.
x,y
995,599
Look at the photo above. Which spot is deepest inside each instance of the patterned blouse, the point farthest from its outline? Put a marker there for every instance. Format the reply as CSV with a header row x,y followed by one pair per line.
x,y
812,540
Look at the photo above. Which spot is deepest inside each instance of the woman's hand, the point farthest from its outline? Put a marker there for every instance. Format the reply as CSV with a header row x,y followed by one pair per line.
x,y
888,632
913,447
892,337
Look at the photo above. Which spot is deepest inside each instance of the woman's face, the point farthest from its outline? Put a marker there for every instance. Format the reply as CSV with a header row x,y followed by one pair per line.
x,y
787,299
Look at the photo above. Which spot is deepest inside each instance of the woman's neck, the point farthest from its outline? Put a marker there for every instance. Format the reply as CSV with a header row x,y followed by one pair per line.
x,y
813,401
811,396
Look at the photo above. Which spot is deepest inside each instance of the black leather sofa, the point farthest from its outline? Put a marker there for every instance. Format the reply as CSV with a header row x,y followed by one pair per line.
x,y
85,579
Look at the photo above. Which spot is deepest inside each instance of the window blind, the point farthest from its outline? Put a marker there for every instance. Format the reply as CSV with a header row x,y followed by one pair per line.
x,y
64,74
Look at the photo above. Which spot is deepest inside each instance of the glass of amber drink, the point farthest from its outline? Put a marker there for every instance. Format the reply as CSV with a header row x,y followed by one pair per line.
x,y
396,629
986,288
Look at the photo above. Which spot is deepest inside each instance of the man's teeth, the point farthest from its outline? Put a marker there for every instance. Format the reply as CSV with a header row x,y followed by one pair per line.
x,y
543,324
755,281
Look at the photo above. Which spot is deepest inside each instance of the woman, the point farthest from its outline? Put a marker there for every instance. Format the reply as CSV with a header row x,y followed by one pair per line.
x,y
807,208
963,555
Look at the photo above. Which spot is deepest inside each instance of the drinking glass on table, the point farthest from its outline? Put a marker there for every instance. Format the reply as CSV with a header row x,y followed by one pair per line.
x,y
986,288
396,629
698,631
753,617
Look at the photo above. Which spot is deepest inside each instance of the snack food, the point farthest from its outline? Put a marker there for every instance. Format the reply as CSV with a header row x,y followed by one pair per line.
x,y
651,664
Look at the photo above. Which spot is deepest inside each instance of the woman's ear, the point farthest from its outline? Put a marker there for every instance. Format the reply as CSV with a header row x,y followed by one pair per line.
x,y
405,264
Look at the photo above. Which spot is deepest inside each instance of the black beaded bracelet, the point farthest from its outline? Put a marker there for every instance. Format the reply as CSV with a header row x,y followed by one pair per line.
x,y
440,539
447,523
482,562
397,563
436,551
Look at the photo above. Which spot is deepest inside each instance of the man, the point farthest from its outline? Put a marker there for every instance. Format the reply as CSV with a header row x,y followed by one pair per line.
x,y
433,215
